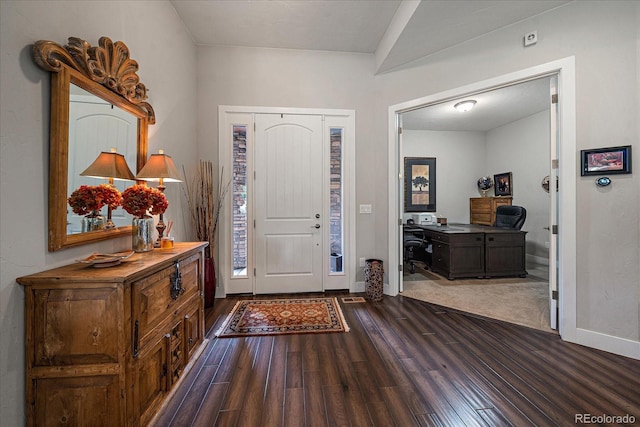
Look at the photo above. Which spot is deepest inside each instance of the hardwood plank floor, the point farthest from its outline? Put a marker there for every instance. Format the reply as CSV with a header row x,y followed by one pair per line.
x,y
404,363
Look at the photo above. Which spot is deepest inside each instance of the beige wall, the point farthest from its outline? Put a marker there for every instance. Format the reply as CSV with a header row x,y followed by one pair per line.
x,y
167,56
603,36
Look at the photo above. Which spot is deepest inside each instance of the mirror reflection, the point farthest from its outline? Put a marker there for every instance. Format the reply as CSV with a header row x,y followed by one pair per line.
x,y
96,126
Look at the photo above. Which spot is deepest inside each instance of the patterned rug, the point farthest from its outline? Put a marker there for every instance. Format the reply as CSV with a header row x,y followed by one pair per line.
x,y
283,316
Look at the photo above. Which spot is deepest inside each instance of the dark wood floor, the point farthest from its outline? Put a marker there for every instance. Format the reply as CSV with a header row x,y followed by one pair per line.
x,y
404,363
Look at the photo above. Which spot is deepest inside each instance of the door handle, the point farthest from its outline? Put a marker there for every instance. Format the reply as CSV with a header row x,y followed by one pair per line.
x,y
315,226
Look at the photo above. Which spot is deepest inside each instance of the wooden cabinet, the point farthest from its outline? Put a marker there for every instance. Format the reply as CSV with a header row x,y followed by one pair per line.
x,y
457,255
482,210
505,253
462,250
106,346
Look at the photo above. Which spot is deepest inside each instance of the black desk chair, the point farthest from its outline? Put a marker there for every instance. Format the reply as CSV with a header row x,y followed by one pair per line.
x,y
510,217
415,245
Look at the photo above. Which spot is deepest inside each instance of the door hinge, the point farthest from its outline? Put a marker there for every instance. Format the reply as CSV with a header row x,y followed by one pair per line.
x,y
254,271
554,295
554,229
400,267
254,223
554,98
554,164
399,221
400,130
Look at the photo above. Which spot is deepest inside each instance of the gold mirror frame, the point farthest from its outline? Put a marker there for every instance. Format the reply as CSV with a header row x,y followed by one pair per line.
x,y
107,72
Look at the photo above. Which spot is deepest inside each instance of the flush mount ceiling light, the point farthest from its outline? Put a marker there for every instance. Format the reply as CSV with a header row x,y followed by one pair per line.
x,y
463,106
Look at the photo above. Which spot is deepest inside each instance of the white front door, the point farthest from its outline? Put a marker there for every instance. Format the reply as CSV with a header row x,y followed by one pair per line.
x,y
288,203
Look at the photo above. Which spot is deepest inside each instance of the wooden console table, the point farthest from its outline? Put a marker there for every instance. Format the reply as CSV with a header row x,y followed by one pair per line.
x,y
461,250
106,346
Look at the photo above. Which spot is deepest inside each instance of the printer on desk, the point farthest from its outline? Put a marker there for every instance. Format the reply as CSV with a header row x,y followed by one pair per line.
x,y
424,219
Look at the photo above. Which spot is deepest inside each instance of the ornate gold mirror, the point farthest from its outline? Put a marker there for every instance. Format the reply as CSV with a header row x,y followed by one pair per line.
x,y
85,82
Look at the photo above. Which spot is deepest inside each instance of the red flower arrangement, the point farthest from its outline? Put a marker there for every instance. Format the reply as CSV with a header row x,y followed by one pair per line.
x,y
89,198
139,199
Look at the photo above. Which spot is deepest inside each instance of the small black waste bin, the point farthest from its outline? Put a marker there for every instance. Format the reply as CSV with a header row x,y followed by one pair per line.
x,y
373,278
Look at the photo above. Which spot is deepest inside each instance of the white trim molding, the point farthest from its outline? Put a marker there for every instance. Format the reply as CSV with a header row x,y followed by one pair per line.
x,y
616,345
245,115
565,71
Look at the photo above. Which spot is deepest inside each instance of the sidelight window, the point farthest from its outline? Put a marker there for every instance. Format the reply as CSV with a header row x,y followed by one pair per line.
x,y
239,203
336,136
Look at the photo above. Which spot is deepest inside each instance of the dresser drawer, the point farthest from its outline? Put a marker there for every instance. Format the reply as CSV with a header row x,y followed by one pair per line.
x,y
157,297
439,238
467,239
481,205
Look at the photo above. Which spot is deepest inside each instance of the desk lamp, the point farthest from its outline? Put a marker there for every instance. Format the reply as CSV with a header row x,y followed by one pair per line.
x,y
159,168
111,166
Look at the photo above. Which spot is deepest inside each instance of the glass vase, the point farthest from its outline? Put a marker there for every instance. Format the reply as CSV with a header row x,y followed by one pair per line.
x,y
93,221
142,234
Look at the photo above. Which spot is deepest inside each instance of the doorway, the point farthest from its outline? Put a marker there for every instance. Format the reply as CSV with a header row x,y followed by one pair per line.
x,y
288,203
287,225
566,268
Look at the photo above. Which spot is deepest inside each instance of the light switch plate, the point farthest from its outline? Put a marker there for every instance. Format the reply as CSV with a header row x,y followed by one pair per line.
x,y
365,209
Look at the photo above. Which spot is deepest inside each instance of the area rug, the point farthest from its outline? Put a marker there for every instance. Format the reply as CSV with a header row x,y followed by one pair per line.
x,y
523,301
283,316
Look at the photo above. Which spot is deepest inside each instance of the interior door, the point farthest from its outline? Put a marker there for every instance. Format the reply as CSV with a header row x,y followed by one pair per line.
x,y
553,211
96,126
288,203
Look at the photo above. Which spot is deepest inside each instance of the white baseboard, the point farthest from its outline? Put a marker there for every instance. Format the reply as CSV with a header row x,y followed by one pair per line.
x,y
534,259
615,345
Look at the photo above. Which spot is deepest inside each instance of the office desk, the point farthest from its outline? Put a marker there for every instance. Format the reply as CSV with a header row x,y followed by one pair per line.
x,y
461,250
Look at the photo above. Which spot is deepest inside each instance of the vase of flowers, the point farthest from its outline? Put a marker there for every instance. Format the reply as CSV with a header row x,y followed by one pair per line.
x,y
141,201
87,200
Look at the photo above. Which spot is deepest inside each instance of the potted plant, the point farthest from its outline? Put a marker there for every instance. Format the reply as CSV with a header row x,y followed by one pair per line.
x,y
204,200
140,201
87,200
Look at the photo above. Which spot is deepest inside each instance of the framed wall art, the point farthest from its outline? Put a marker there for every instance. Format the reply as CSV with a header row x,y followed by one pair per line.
x,y
419,184
605,161
502,184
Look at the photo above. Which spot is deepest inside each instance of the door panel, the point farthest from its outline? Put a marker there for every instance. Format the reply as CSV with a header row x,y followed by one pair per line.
x,y
553,211
288,203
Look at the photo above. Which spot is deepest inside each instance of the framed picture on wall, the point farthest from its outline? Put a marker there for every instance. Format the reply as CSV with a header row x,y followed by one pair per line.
x,y
605,161
502,184
419,184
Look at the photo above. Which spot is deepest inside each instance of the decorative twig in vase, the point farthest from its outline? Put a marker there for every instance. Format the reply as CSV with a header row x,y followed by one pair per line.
x,y
204,200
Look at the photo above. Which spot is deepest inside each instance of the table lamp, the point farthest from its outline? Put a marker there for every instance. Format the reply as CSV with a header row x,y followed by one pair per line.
x,y
159,168
111,166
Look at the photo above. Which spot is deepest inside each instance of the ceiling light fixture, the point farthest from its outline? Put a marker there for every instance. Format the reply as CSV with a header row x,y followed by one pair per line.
x,y
464,106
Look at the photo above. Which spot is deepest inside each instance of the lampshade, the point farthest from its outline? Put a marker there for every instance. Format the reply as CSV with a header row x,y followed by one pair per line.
x,y
160,168
463,106
109,165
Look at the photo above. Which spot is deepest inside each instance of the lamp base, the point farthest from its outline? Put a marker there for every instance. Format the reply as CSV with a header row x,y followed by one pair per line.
x,y
160,227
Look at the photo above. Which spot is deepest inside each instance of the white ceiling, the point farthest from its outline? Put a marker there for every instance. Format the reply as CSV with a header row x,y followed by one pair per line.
x,y
418,29
493,109
396,32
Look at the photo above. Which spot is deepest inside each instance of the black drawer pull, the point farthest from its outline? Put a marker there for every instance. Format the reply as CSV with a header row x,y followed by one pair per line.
x,y
491,239
176,283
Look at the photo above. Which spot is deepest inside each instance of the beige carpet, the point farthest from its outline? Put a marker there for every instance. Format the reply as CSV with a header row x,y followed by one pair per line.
x,y
524,301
